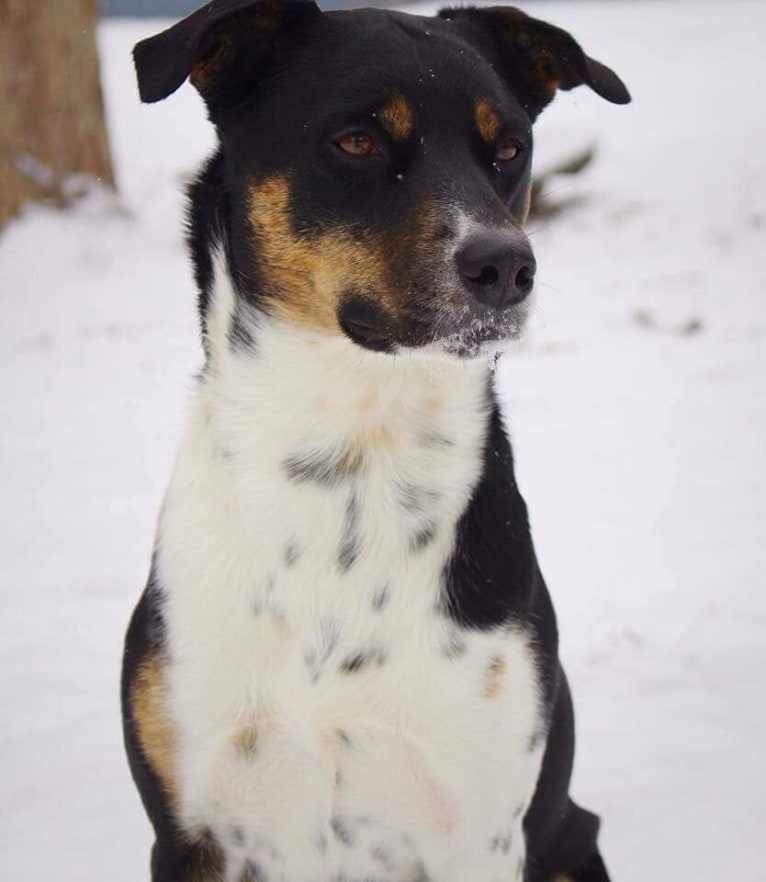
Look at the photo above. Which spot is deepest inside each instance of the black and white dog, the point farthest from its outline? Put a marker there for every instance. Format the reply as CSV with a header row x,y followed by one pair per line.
x,y
344,665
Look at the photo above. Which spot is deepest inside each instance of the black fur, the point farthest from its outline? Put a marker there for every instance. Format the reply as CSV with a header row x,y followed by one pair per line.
x,y
217,33
320,467
349,550
493,548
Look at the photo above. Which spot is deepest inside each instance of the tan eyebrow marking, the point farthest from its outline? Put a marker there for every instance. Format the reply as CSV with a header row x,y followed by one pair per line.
x,y
487,120
397,117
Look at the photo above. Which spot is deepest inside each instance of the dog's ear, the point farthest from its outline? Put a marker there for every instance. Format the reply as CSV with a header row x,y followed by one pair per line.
x,y
535,57
222,48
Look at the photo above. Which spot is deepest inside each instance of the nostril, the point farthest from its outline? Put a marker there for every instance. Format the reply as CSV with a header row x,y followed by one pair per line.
x,y
487,276
525,279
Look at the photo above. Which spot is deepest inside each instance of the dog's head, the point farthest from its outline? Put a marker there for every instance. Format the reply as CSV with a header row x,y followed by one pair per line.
x,y
376,165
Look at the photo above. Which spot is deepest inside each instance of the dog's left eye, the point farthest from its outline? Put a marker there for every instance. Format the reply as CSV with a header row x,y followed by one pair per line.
x,y
508,150
357,144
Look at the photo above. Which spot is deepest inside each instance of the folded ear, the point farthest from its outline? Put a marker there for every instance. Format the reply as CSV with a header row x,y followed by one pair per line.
x,y
536,58
217,47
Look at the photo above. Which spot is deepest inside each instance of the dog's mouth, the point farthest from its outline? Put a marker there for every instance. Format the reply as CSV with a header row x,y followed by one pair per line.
x,y
470,331
365,334
477,332
364,324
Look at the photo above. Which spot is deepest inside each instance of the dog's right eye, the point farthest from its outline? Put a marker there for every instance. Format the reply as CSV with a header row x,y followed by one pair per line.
x,y
357,144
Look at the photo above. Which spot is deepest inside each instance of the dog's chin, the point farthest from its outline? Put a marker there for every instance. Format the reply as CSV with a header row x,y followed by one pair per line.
x,y
478,337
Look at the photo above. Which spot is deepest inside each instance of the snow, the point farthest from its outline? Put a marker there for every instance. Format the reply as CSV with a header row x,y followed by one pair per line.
x,y
637,409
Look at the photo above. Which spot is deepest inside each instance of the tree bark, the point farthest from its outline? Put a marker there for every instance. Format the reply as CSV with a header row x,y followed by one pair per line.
x,y
52,122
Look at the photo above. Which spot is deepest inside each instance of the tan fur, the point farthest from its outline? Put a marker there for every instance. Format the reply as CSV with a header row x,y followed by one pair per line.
x,y
305,276
540,64
349,462
308,275
370,437
154,727
203,73
545,70
434,403
267,20
379,437
366,403
397,117
487,121
246,741
495,676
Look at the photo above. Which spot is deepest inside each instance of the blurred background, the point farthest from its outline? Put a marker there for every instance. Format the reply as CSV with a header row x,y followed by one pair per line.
x,y
636,403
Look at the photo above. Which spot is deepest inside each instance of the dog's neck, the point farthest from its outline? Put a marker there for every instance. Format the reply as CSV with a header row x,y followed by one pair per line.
x,y
322,398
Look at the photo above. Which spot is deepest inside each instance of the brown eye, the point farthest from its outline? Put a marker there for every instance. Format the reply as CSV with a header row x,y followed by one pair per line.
x,y
507,151
357,144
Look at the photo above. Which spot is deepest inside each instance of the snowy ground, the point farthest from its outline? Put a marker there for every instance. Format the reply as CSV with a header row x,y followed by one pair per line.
x,y
638,412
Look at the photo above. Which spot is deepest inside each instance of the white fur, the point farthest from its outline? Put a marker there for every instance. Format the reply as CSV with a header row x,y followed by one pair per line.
x,y
405,768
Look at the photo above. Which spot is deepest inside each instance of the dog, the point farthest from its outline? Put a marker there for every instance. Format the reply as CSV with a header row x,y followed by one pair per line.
x,y
344,665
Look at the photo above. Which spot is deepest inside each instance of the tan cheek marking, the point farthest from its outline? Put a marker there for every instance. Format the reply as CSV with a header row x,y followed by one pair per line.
x,y
306,276
487,121
397,117
562,878
149,705
495,676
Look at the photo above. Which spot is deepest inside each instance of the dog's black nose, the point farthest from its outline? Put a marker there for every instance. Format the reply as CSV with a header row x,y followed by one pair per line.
x,y
497,267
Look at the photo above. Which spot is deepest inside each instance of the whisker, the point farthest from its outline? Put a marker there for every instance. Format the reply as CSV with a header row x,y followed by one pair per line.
x,y
546,193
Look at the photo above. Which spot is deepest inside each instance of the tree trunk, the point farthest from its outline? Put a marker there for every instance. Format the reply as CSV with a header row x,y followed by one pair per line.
x,y
51,112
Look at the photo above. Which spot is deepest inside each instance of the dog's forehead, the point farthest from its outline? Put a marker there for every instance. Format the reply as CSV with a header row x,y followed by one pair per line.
x,y
388,30
362,57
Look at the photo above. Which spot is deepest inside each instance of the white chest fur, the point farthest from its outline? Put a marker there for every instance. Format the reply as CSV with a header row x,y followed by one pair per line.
x,y
334,725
